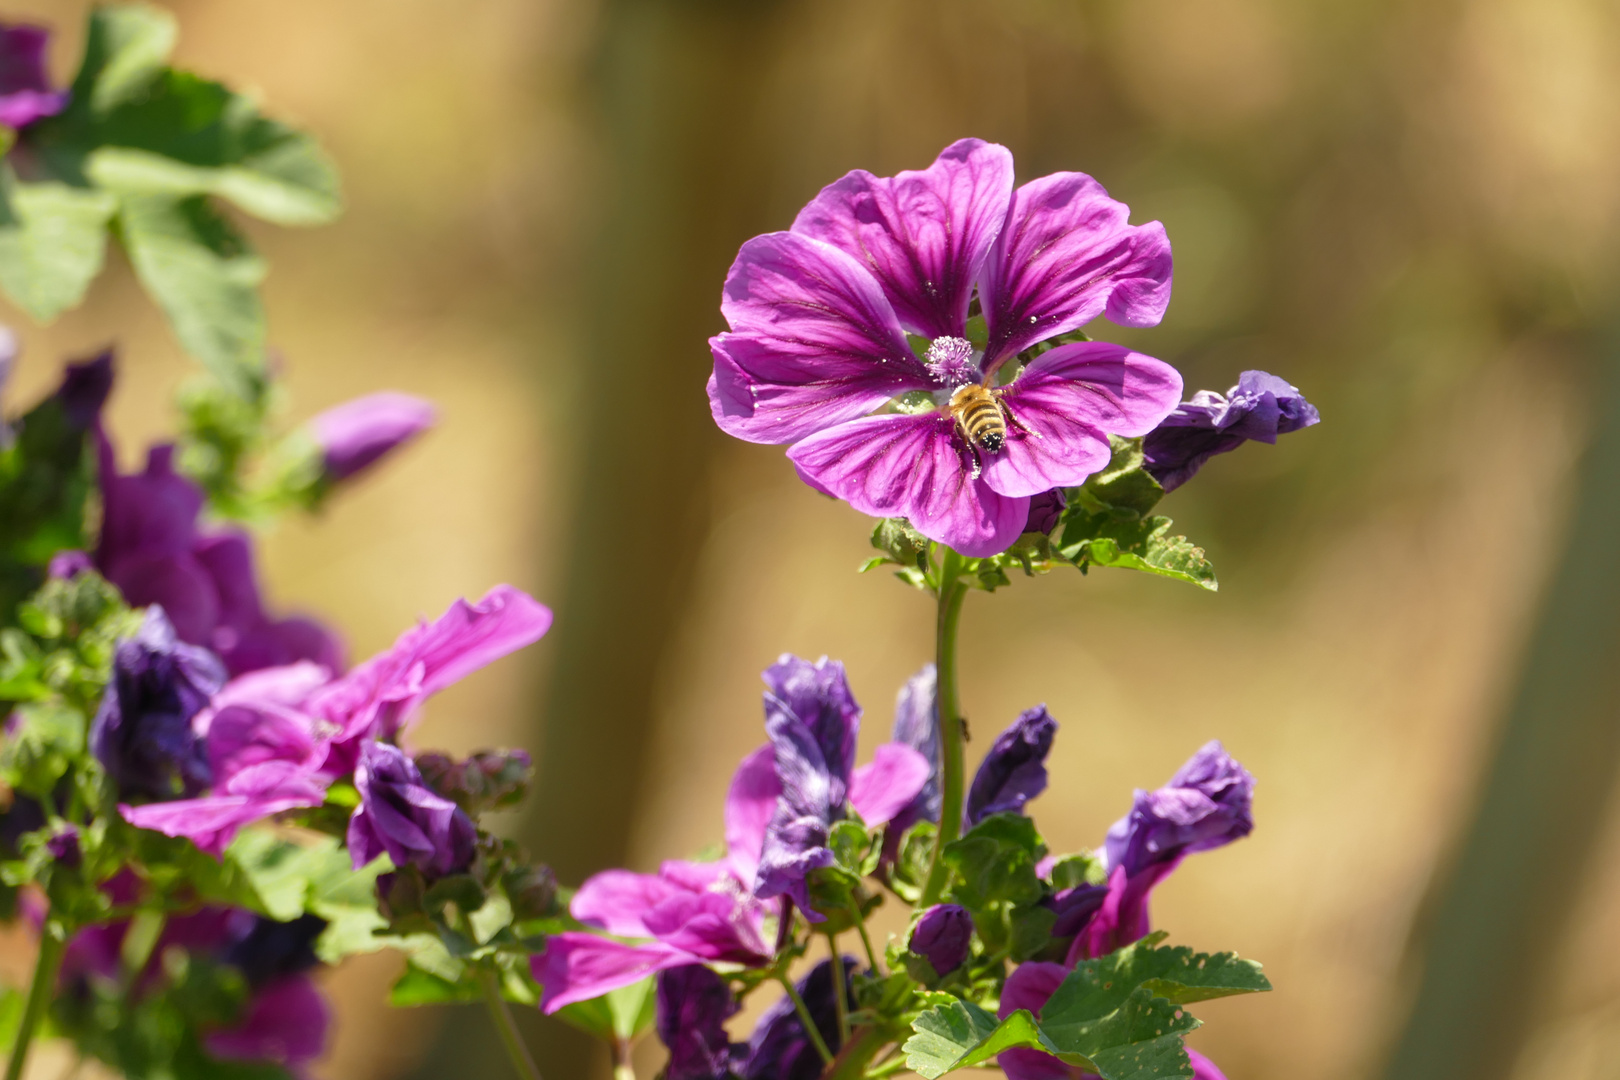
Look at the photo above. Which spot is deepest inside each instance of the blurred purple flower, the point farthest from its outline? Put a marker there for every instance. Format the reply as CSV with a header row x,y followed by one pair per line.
x,y
692,912
400,815
819,318
153,551
67,565
278,737
1260,407
25,85
916,724
780,1048
943,936
356,434
693,1006
142,734
64,847
1014,770
812,721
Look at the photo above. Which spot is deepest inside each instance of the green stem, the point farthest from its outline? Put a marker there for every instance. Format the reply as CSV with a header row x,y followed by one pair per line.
x,y
623,1066
866,938
840,993
515,1048
805,1018
888,1068
52,944
952,591
857,1055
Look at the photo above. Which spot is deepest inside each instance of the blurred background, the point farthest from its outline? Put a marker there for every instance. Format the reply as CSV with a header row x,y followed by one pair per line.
x,y
1407,209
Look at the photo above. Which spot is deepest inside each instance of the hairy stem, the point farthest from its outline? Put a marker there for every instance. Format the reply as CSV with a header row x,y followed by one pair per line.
x,y
522,1061
805,1018
866,938
52,944
952,591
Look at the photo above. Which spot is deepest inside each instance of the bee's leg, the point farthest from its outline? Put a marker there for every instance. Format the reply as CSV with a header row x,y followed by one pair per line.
x,y
968,452
1013,423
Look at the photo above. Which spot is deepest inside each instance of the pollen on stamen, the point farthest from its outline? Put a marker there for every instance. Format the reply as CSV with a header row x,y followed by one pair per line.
x,y
950,360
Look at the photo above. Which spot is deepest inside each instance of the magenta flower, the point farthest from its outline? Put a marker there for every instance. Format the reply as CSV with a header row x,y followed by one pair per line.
x,y
1259,408
693,1006
916,724
152,549
355,435
686,913
819,319
812,720
25,85
277,738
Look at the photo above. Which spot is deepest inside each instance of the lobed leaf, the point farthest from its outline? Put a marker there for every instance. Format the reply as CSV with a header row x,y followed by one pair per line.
x,y
53,240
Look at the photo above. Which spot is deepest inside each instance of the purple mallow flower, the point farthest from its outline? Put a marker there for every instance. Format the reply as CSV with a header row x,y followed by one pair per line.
x,y
688,912
356,434
943,936
1260,407
1045,510
1014,770
693,1006
64,847
152,549
277,738
812,721
143,733
819,319
25,86
400,815
916,724
780,1048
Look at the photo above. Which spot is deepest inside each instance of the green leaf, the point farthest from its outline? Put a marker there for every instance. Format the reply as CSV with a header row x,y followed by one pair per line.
x,y
995,861
53,239
204,275
624,1013
126,47
191,136
961,1035
418,987
1145,545
1182,976
1124,487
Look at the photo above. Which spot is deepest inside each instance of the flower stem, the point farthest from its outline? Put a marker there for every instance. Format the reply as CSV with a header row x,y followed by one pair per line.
x,y
805,1018
866,938
952,591
52,944
515,1048
623,1067
840,993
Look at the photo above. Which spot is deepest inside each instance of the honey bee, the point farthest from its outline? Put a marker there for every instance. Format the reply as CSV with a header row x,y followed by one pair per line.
x,y
978,411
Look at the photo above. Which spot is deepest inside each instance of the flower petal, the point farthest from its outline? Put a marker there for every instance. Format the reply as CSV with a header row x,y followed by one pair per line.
x,y
1066,255
578,967
750,802
1031,986
1065,404
1203,1068
923,234
717,926
618,900
469,636
813,342
286,1022
917,468
887,785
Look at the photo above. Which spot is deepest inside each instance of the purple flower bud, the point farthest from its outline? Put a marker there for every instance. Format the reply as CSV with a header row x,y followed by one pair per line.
x,y
67,565
1014,771
1044,511
142,734
812,720
84,389
780,1048
356,434
1260,407
1207,804
1074,908
943,936
693,1006
916,724
25,86
399,814
64,847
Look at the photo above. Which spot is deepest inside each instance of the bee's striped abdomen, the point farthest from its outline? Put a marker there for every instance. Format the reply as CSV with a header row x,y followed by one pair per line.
x,y
977,410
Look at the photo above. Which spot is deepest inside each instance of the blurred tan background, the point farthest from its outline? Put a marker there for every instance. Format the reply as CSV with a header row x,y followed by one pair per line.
x,y
1408,210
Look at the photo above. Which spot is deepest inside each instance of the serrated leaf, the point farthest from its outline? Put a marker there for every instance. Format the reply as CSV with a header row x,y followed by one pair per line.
x,y
995,862
204,275
53,240
1182,976
1145,545
127,45
960,1035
